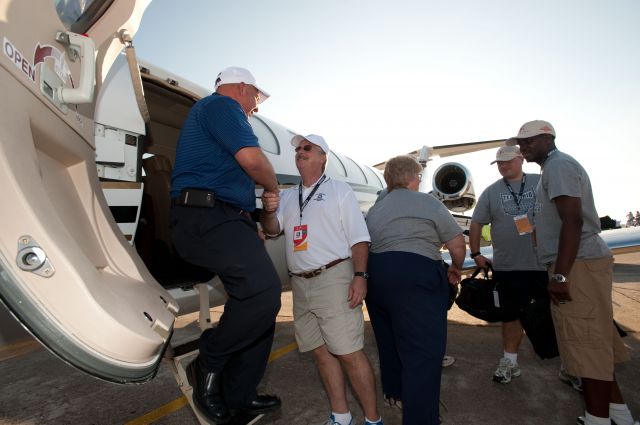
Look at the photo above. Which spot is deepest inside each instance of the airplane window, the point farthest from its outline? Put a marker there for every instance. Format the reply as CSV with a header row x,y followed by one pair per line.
x,y
266,138
79,15
354,171
283,135
372,177
335,167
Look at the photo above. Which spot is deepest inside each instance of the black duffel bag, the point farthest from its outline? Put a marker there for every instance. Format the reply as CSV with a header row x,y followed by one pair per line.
x,y
480,297
538,325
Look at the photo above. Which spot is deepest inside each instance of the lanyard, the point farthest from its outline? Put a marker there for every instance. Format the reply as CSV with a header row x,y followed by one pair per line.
x,y
306,201
516,198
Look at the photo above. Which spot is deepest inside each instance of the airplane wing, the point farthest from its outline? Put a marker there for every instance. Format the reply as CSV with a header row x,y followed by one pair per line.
x,y
619,241
450,150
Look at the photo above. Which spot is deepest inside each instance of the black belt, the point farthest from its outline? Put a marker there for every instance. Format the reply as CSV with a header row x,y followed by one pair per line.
x,y
316,272
201,199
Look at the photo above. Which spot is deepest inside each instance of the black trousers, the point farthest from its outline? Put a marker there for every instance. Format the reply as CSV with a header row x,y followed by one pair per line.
x,y
407,303
227,243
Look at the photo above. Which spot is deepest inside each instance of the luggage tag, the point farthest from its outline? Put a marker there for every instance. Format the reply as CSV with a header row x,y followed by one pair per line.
x,y
523,225
496,298
300,238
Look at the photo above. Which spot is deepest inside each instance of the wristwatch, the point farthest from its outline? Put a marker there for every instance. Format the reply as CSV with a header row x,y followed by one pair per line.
x,y
560,278
474,254
365,275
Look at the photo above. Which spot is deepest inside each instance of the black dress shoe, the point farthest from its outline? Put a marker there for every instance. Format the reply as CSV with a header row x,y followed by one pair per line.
x,y
262,404
206,393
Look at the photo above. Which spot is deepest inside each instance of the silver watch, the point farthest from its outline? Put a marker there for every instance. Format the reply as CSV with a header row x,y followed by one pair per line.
x,y
560,278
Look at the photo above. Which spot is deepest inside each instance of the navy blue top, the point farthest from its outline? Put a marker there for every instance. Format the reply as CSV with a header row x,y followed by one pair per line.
x,y
214,131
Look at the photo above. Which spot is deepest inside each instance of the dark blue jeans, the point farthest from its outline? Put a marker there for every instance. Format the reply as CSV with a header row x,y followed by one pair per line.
x,y
407,303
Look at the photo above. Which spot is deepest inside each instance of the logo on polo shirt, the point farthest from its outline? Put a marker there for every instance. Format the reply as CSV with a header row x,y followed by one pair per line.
x,y
320,197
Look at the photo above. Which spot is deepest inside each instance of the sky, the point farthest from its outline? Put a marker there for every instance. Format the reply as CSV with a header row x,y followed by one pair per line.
x,y
381,78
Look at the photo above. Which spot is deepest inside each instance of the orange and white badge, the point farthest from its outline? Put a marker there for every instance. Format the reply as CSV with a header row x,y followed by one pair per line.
x,y
523,225
300,238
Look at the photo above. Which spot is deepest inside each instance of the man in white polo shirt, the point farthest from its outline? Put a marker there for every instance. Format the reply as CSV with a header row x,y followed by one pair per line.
x,y
327,245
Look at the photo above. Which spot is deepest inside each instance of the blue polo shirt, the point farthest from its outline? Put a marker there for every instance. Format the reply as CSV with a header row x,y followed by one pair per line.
x,y
214,131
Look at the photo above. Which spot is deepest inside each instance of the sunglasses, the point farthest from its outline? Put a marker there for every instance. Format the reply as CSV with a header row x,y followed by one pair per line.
x,y
305,148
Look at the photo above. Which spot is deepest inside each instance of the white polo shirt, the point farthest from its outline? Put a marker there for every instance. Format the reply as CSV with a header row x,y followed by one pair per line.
x,y
333,219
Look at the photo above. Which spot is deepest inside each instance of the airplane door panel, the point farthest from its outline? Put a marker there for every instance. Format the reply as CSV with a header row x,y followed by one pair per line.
x,y
66,271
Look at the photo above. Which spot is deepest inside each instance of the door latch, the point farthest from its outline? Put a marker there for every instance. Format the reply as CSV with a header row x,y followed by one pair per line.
x,y
32,258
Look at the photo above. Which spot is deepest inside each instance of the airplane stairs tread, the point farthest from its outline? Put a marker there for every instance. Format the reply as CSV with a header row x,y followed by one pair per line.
x,y
179,358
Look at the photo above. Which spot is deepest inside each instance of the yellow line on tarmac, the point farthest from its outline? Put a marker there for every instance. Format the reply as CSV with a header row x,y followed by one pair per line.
x,y
180,402
160,412
275,355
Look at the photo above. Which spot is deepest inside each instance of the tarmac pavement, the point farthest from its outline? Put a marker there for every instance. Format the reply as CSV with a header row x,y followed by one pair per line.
x,y
37,388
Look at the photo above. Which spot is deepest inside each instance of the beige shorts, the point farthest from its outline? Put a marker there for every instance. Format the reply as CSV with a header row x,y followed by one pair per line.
x,y
321,311
588,341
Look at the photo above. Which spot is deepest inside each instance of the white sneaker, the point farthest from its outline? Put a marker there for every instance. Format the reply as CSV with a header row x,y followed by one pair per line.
x,y
505,371
448,361
574,381
332,421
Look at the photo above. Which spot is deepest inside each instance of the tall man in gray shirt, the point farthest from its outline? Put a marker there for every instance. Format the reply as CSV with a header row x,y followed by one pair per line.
x,y
581,270
508,206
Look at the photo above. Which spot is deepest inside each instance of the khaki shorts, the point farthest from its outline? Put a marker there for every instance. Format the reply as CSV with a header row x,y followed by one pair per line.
x,y
321,311
588,341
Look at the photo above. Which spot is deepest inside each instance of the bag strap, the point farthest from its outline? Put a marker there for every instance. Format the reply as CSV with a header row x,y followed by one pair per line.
x,y
476,271
487,270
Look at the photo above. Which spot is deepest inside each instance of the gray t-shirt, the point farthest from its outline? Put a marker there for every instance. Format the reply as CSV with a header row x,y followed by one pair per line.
x,y
496,205
409,221
564,176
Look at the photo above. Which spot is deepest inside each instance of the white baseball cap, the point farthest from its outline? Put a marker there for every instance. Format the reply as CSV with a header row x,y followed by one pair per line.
x,y
530,129
507,153
312,138
235,75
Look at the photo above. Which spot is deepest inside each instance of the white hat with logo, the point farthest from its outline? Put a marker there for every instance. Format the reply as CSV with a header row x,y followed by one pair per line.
x,y
313,138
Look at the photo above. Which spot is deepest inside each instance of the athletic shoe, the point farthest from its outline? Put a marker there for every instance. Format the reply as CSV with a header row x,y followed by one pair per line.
x,y
332,421
581,420
505,371
574,381
448,361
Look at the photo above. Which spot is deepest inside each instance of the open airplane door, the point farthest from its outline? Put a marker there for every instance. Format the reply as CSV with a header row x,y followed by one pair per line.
x,y
67,273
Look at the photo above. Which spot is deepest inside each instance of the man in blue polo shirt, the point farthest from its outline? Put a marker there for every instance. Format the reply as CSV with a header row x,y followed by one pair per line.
x,y
218,162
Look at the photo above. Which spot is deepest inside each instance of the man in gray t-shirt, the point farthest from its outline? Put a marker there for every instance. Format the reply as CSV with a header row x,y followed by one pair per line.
x,y
507,205
581,268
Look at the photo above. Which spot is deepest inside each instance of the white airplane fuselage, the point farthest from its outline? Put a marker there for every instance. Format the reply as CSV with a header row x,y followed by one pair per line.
x,y
86,261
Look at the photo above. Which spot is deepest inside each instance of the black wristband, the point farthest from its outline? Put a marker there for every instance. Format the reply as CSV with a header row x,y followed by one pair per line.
x,y
475,254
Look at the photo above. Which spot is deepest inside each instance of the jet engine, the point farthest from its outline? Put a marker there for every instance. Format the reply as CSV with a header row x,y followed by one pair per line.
x,y
452,184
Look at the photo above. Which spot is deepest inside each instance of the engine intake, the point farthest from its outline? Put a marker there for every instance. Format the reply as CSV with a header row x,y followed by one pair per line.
x,y
452,184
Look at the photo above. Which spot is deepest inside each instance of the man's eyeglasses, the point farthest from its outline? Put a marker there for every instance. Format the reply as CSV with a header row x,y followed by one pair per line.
x,y
305,148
